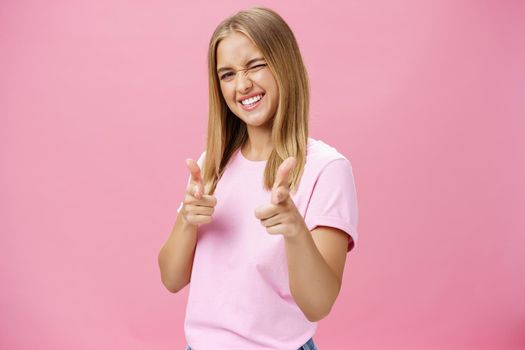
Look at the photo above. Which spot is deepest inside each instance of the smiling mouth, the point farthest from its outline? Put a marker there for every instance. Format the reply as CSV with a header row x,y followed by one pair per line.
x,y
254,102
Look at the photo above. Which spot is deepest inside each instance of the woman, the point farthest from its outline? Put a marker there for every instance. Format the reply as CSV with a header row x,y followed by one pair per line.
x,y
269,213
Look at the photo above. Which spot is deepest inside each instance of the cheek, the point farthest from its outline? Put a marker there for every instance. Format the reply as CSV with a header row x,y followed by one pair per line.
x,y
228,95
271,84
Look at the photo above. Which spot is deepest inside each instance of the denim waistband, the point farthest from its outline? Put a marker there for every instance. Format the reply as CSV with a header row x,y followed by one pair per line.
x,y
309,345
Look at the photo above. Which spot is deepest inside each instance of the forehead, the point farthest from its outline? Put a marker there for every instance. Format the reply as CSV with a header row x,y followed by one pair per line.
x,y
236,49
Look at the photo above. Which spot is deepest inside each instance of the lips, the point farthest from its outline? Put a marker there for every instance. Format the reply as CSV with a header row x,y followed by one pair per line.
x,y
252,107
250,96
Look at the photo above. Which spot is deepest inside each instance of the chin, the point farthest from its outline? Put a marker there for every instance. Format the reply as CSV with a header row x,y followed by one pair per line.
x,y
257,121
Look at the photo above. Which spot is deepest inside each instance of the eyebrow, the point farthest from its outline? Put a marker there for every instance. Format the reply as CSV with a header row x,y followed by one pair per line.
x,y
247,64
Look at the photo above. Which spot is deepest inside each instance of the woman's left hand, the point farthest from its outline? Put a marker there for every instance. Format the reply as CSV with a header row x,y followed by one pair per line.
x,y
281,215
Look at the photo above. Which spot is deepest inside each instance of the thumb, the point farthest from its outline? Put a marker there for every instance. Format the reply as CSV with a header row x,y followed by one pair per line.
x,y
196,177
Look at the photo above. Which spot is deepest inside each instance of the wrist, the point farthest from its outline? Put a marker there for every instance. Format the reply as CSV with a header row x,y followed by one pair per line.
x,y
298,234
186,225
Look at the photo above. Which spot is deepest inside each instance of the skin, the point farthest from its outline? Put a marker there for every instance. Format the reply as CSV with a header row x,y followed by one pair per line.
x,y
315,258
233,52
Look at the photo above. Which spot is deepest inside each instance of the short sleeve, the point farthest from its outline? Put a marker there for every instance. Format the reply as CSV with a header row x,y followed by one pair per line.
x,y
333,201
200,161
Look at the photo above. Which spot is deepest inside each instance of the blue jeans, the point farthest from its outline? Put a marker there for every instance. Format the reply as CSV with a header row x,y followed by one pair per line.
x,y
309,345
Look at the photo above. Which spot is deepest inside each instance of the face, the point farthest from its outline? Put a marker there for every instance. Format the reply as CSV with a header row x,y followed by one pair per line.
x,y
236,52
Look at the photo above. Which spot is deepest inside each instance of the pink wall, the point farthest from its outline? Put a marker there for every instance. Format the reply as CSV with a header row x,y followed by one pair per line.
x,y
102,101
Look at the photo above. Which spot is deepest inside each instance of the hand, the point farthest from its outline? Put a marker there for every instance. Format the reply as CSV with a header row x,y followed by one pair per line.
x,y
281,215
197,207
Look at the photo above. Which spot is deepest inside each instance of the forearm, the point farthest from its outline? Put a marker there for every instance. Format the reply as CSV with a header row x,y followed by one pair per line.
x,y
176,255
313,284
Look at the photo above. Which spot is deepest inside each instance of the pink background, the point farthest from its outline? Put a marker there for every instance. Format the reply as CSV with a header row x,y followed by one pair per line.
x,y
102,101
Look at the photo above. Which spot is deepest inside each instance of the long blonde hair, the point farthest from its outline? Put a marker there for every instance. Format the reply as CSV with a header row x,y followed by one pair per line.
x,y
226,132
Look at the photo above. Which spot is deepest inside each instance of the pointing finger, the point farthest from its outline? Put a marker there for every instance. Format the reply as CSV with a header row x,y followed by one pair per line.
x,y
196,177
283,172
280,194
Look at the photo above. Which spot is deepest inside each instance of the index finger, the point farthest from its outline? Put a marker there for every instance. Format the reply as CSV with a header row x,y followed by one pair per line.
x,y
195,171
283,171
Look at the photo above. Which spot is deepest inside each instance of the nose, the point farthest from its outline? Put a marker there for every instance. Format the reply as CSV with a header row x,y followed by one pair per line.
x,y
243,82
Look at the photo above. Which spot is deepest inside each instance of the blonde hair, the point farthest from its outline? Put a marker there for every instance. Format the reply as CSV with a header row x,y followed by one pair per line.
x,y
226,132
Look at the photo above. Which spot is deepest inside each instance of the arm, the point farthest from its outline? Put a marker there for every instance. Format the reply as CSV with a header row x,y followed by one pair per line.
x,y
315,259
315,266
176,255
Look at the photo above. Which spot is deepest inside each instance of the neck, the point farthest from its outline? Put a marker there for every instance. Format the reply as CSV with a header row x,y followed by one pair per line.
x,y
259,144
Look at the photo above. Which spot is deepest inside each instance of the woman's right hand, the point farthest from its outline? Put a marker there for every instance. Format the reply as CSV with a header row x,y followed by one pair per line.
x,y
197,207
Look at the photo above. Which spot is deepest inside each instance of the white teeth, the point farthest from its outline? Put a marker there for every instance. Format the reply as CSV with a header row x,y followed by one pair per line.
x,y
249,101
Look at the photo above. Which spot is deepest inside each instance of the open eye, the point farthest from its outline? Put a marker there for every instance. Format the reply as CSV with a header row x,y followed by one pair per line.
x,y
226,75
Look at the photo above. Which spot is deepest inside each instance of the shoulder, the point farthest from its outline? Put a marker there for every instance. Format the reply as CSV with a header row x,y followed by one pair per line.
x,y
321,155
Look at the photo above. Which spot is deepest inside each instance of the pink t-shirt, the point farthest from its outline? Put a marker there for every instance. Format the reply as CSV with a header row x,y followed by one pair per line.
x,y
239,296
